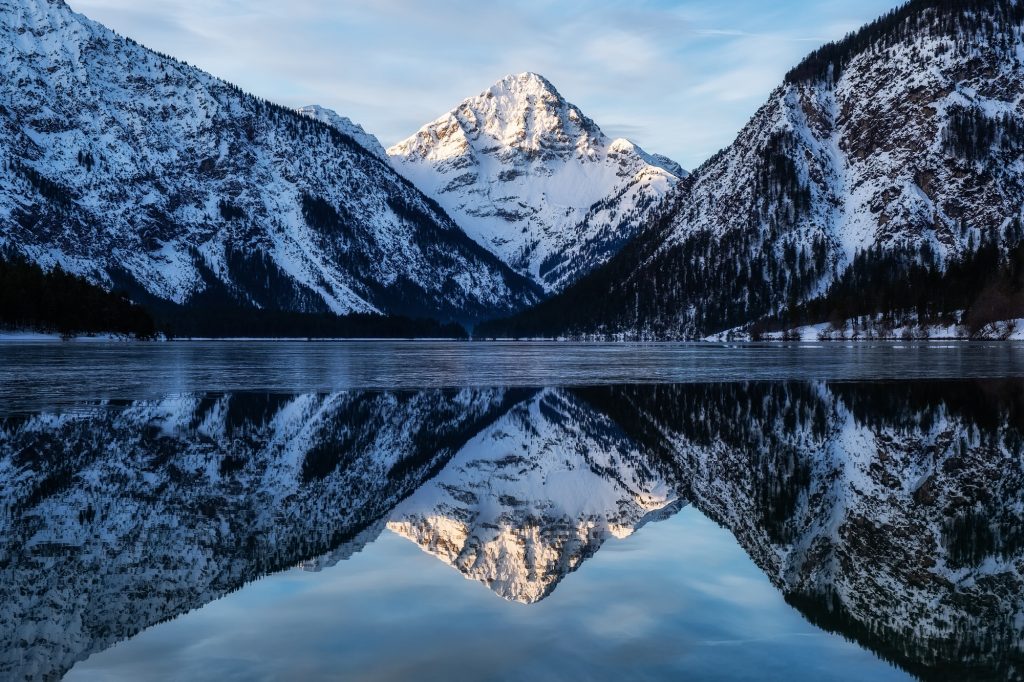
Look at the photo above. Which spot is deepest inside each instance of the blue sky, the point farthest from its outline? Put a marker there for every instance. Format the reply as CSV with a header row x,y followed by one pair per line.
x,y
679,599
678,77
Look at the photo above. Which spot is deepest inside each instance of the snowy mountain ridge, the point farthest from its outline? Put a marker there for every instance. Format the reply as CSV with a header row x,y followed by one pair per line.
x,y
143,173
532,179
897,150
368,141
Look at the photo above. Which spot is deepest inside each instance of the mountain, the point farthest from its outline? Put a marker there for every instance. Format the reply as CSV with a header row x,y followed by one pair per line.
x,y
145,174
885,176
345,125
531,497
533,180
887,512
118,517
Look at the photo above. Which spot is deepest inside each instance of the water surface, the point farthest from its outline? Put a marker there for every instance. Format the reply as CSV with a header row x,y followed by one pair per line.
x,y
511,512
34,375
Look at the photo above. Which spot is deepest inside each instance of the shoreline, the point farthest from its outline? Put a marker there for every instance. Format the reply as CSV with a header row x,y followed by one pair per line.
x,y
775,339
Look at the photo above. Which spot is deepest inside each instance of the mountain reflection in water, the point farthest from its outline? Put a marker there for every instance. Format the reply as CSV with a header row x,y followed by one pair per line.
x,y
888,512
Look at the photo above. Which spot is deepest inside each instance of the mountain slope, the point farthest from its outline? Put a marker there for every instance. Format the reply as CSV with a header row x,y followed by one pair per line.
x,y
140,512
144,173
899,151
531,497
533,180
345,125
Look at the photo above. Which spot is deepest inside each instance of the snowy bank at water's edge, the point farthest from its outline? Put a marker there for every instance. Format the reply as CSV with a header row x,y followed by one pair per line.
x,y
8,335
874,329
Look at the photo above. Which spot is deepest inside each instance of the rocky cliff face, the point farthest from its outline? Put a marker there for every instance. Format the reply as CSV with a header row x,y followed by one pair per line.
x,y
535,181
146,174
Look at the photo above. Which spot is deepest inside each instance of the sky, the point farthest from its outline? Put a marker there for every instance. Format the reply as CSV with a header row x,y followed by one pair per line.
x,y
679,77
679,599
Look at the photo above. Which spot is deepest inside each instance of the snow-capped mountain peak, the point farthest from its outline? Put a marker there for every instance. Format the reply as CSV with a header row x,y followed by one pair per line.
x,y
628,147
671,165
525,112
528,499
344,124
143,173
898,150
534,180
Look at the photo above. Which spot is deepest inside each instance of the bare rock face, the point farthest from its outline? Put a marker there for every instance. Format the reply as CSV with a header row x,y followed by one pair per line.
x,y
533,180
141,172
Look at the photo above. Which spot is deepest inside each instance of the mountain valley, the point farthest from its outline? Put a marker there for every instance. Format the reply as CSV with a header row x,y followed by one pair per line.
x,y
878,191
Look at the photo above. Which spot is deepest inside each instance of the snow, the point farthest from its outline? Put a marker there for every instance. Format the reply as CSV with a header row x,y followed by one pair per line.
x,y
345,125
532,179
873,329
170,143
25,336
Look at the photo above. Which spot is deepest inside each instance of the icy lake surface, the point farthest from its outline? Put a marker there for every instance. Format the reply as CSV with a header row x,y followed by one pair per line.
x,y
463,511
46,374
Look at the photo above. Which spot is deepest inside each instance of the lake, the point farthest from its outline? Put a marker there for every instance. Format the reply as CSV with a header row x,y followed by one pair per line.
x,y
475,511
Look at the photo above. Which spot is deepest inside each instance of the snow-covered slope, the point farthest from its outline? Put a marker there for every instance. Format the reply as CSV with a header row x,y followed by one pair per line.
x,y
531,497
115,518
140,171
907,138
343,123
890,513
532,179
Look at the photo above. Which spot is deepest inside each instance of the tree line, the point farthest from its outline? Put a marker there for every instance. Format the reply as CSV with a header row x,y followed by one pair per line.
x,y
56,301
900,286
32,298
960,20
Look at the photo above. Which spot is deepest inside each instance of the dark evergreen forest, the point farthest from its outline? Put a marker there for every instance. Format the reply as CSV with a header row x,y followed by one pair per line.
x,y
963,18
57,301
911,287
253,323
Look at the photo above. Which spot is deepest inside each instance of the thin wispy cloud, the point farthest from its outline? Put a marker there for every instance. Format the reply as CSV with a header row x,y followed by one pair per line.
x,y
719,32
681,77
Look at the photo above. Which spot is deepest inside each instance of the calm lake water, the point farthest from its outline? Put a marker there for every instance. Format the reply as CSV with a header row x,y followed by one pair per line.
x,y
462,511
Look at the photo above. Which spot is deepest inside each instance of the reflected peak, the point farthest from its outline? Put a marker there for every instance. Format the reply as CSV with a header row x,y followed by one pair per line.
x,y
526,500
